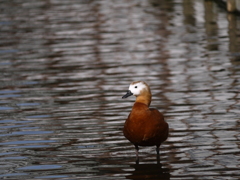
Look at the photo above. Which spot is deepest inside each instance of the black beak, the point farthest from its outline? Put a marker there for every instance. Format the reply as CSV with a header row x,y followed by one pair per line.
x,y
129,93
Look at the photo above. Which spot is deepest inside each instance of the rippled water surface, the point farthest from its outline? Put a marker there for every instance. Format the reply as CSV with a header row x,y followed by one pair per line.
x,y
65,65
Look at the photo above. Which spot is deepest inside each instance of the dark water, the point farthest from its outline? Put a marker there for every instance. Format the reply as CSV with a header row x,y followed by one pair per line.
x,y
65,65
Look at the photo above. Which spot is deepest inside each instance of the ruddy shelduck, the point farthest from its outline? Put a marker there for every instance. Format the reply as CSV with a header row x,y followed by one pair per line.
x,y
144,126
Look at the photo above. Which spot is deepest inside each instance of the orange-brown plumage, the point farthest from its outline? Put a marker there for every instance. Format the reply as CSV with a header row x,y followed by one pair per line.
x,y
144,126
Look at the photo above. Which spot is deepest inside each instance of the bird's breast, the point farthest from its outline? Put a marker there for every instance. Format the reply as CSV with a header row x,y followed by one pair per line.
x,y
145,127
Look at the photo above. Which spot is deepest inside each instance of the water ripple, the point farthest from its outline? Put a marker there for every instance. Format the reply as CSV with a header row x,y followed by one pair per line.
x,y
66,65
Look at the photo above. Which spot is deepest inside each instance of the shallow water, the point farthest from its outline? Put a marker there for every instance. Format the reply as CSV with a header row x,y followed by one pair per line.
x,y
66,64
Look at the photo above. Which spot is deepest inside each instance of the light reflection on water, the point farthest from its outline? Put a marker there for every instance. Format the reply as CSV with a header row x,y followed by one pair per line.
x,y
66,65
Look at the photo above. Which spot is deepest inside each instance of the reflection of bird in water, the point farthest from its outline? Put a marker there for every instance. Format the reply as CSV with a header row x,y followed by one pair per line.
x,y
144,126
149,171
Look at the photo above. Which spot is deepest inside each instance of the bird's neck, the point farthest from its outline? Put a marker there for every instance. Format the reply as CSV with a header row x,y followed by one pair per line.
x,y
144,98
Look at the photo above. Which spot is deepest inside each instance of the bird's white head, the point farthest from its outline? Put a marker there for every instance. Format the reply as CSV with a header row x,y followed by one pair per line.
x,y
136,88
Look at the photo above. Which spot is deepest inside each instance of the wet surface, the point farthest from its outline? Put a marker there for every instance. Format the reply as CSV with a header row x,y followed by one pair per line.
x,y
66,64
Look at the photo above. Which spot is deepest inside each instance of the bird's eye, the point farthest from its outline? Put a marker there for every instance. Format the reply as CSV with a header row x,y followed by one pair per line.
x,y
135,86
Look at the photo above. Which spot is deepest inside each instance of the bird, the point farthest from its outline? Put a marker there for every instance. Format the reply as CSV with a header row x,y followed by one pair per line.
x,y
144,126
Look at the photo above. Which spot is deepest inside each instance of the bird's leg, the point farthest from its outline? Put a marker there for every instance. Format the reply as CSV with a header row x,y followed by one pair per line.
x,y
136,148
158,155
157,150
137,158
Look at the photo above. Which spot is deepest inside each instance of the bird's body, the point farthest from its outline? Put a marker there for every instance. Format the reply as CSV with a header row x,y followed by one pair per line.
x,y
144,126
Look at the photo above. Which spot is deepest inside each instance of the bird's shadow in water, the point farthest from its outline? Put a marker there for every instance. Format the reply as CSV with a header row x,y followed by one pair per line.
x,y
149,171
142,170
